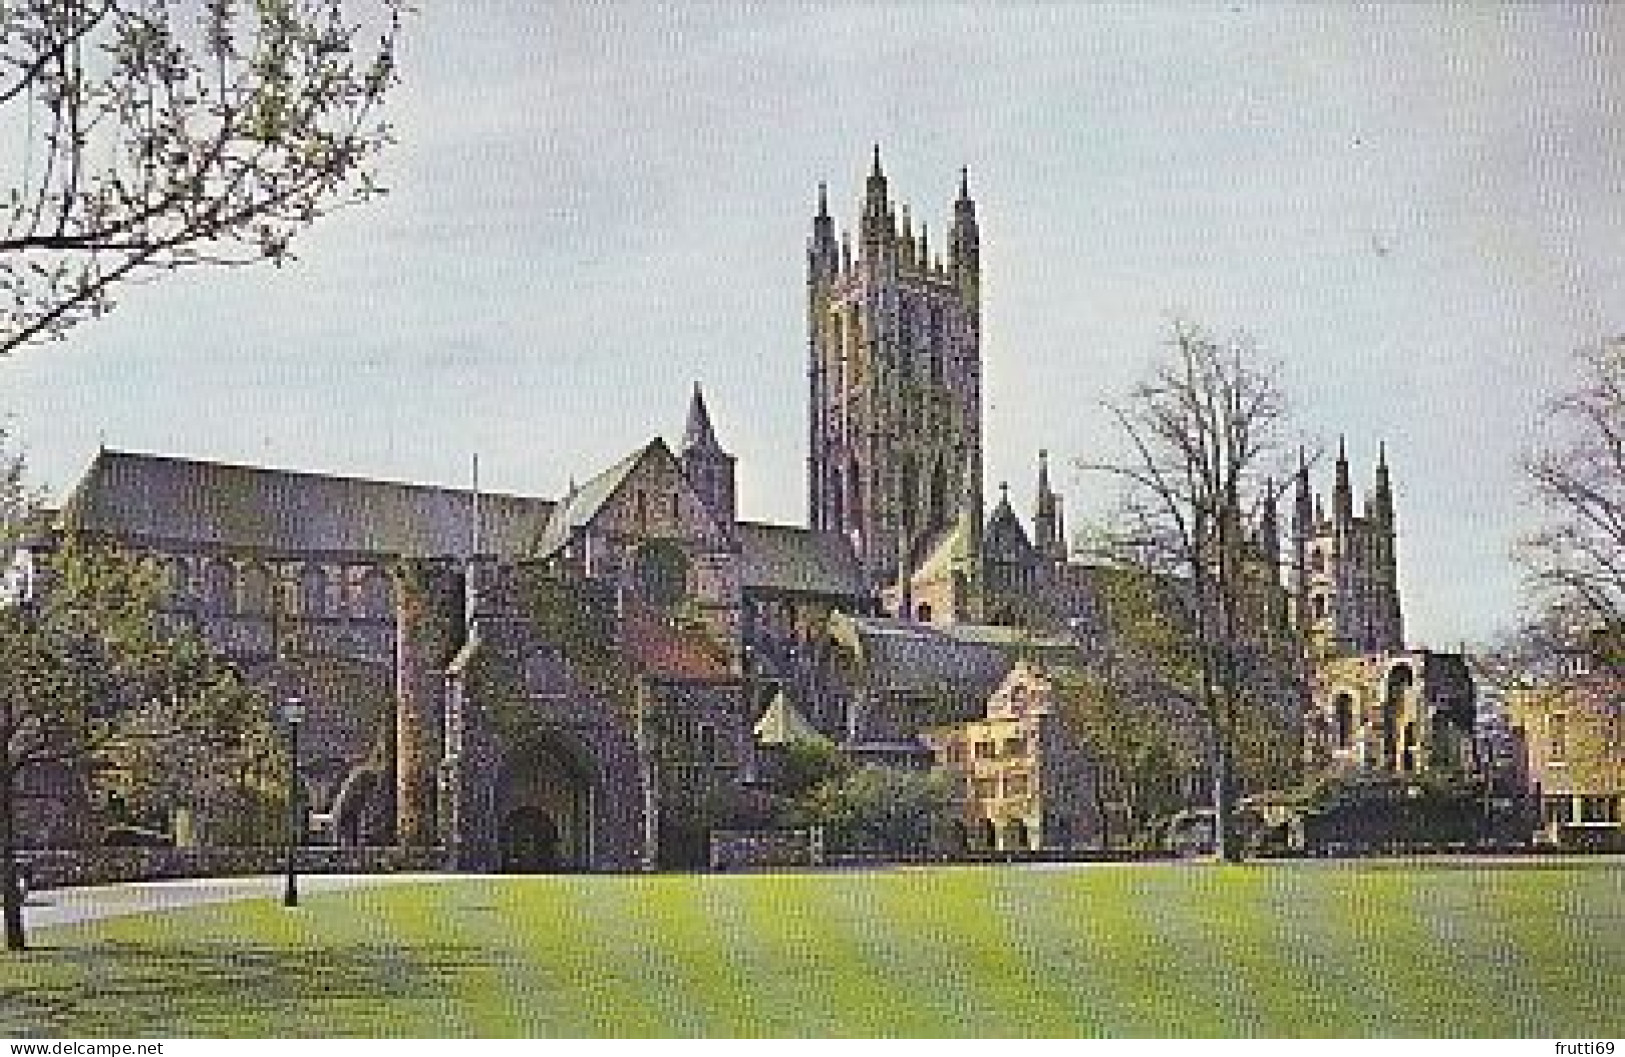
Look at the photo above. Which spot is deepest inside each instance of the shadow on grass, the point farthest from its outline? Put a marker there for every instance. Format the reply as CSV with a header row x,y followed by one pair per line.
x,y
137,990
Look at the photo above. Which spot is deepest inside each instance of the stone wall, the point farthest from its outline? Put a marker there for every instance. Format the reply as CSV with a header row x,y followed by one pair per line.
x,y
89,866
766,849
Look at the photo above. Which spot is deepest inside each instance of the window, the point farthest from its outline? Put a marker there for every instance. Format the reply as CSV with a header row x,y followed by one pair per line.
x,y
1015,746
1557,737
956,752
706,742
1017,784
986,750
1558,810
1599,809
985,788
1345,720
661,570
286,602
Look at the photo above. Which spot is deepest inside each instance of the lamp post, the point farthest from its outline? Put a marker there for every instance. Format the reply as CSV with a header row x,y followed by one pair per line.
x,y
293,714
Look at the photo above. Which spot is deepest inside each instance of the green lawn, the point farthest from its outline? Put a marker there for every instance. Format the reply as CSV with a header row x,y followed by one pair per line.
x,y
1305,949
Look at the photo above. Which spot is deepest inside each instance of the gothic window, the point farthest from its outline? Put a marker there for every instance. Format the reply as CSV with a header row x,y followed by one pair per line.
x,y
854,495
1557,737
220,587
910,484
1343,710
313,586
1399,682
706,743
287,599
936,353
939,495
1317,560
253,589
661,570
922,612
1317,607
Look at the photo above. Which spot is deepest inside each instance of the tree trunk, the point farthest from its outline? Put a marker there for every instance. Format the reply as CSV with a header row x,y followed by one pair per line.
x,y
10,895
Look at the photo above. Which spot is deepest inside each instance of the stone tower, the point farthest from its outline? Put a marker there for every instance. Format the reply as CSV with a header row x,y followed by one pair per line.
x,y
895,383
707,466
1345,575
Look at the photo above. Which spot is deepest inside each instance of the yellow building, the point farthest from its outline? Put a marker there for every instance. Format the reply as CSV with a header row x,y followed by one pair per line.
x,y
1023,785
1572,732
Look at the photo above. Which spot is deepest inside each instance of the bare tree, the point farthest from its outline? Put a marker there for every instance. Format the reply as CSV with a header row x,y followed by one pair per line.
x,y
1203,435
1576,560
161,134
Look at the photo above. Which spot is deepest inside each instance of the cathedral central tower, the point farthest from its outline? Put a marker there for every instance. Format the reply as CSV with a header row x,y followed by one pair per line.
x,y
895,387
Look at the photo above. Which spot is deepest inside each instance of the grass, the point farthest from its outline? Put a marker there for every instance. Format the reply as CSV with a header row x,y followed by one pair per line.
x,y
1281,950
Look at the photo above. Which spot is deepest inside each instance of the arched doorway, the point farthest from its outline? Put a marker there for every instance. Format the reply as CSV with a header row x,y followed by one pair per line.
x,y
544,810
529,841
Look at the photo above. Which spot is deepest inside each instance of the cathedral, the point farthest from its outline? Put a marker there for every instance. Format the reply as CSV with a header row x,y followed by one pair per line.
x,y
582,682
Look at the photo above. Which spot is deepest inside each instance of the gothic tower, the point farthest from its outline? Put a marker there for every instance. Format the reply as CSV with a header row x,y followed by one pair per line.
x,y
1345,573
1049,521
895,383
707,466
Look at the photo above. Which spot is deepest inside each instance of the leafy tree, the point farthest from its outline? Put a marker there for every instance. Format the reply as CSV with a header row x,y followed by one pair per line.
x,y
1576,560
805,765
1141,753
1205,439
97,690
880,809
158,136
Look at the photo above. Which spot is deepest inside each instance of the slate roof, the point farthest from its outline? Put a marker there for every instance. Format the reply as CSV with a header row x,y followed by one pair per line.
x,y
583,504
785,558
906,652
176,501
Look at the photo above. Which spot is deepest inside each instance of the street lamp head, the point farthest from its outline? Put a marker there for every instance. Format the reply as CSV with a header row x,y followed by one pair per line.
x,y
293,711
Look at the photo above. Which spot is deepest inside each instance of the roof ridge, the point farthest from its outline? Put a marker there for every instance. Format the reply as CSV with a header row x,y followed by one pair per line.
x,y
320,475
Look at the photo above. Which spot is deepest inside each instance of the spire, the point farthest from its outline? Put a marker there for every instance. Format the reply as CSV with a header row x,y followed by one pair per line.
x,y
1342,493
699,436
878,224
1047,530
1383,498
823,201
965,246
1303,507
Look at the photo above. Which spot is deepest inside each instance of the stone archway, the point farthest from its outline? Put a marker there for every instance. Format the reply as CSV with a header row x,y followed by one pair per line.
x,y
530,841
544,810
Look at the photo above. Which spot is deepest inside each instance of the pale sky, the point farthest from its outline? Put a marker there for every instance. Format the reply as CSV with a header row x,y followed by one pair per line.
x,y
1418,210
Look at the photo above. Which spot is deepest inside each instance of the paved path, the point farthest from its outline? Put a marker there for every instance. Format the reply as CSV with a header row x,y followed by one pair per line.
x,y
67,906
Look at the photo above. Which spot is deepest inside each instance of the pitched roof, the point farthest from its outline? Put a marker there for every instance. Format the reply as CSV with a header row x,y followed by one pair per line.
x,y
160,498
583,504
783,724
912,653
785,558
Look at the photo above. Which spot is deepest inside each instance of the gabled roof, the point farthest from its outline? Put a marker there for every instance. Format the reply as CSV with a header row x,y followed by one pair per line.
x,y
159,498
908,652
785,558
584,503
783,724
